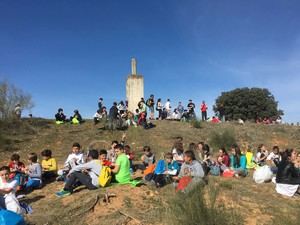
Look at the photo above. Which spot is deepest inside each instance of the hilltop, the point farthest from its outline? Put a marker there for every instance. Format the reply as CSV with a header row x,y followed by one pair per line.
x,y
256,204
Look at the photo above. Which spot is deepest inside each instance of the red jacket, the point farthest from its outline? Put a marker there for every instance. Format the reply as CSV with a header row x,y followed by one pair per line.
x,y
203,107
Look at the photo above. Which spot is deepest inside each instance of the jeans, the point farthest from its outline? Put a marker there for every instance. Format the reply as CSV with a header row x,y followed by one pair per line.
x,y
2,202
33,183
76,178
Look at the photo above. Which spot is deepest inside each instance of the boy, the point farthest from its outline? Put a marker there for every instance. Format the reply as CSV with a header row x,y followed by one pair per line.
x,y
49,165
34,172
165,169
148,157
191,168
9,188
74,159
17,170
103,156
85,174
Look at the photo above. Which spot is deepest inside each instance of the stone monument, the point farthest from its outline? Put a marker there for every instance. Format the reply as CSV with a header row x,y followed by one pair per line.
x,y
134,87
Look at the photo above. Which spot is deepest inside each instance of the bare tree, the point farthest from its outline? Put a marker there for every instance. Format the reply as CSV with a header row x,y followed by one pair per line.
x,y
10,96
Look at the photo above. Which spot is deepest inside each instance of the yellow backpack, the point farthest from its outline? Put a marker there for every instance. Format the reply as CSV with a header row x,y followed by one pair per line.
x,y
105,176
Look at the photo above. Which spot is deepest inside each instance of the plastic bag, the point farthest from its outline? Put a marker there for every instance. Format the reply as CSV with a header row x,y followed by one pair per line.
x,y
262,174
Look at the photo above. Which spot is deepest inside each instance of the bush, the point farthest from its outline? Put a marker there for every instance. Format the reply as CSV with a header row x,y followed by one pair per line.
x,y
196,123
224,139
193,209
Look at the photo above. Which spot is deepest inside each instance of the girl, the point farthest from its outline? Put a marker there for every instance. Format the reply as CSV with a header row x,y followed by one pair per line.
x,y
238,162
178,153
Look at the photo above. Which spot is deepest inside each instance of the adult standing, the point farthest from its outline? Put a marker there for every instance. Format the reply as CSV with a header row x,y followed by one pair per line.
x,y
203,108
159,108
191,107
113,116
168,108
100,104
150,104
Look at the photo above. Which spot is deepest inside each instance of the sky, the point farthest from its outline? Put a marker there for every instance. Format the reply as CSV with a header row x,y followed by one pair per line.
x,y
69,53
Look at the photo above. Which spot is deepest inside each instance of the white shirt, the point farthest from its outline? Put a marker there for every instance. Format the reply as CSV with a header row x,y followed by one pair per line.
x,y
168,105
11,201
74,159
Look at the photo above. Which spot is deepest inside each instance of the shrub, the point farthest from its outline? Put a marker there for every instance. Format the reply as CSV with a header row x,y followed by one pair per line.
x,y
193,209
223,139
196,123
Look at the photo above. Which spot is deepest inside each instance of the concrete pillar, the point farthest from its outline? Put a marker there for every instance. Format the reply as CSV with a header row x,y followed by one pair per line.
x,y
134,87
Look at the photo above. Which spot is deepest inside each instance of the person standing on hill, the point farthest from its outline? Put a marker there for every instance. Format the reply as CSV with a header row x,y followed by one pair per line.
x,y
191,109
203,108
159,108
100,104
150,104
168,108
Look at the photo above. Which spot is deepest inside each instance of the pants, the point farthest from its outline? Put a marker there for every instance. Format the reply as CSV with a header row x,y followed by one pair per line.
x,y
79,178
33,183
2,202
49,175
204,115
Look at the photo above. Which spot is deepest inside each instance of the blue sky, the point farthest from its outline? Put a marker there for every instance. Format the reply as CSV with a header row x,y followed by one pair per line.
x,y
69,53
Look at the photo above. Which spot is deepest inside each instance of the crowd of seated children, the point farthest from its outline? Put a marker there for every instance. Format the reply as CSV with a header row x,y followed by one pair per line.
x,y
49,165
165,170
74,158
9,187
287,177
60,117
83,174
17,170
34,172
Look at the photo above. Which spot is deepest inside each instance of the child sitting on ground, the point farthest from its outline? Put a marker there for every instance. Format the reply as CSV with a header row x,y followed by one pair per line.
x,y
130,156
9,187
177,152
74,159
148,158
17,170
86,174
34,172
165,170
103,158
49,165
191,169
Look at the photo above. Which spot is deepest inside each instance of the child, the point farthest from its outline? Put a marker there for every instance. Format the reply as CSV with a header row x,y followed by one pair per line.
x,y
76,118
130,156
49,165
85,174
74,159
103,158
238,162
261,155
17,170
9,188
191,168
34,172
148,158
250,159
165,170
111,155
178,152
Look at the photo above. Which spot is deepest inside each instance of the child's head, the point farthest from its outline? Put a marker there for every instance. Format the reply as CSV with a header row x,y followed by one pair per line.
x,y
119,149
200,146
15,158
93,154
103,154
32,157
276,149
192,146
113,144
169,157
4,172
189,156
76,148
127,149
235,150
222,151
206,149
261,148
46,154
147,150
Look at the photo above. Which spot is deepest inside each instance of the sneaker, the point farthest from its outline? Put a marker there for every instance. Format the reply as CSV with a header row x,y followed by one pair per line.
x,y
60,178
62,193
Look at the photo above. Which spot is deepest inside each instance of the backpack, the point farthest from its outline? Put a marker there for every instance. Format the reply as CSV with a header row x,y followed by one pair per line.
x,y
105,176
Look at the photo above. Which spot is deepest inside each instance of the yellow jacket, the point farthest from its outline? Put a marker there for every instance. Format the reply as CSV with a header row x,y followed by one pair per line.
x,y
49,165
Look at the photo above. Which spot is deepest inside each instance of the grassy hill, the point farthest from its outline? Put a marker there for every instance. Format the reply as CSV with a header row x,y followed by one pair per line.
x,y
241,199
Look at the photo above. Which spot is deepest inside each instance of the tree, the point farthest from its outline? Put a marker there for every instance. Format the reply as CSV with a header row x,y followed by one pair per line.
x,y
247,104
10,96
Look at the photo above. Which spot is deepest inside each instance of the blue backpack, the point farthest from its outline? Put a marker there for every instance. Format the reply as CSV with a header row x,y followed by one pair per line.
x,y
10,218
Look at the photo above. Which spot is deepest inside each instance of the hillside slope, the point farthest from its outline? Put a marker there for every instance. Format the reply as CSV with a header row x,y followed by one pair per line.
x,y
257,204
